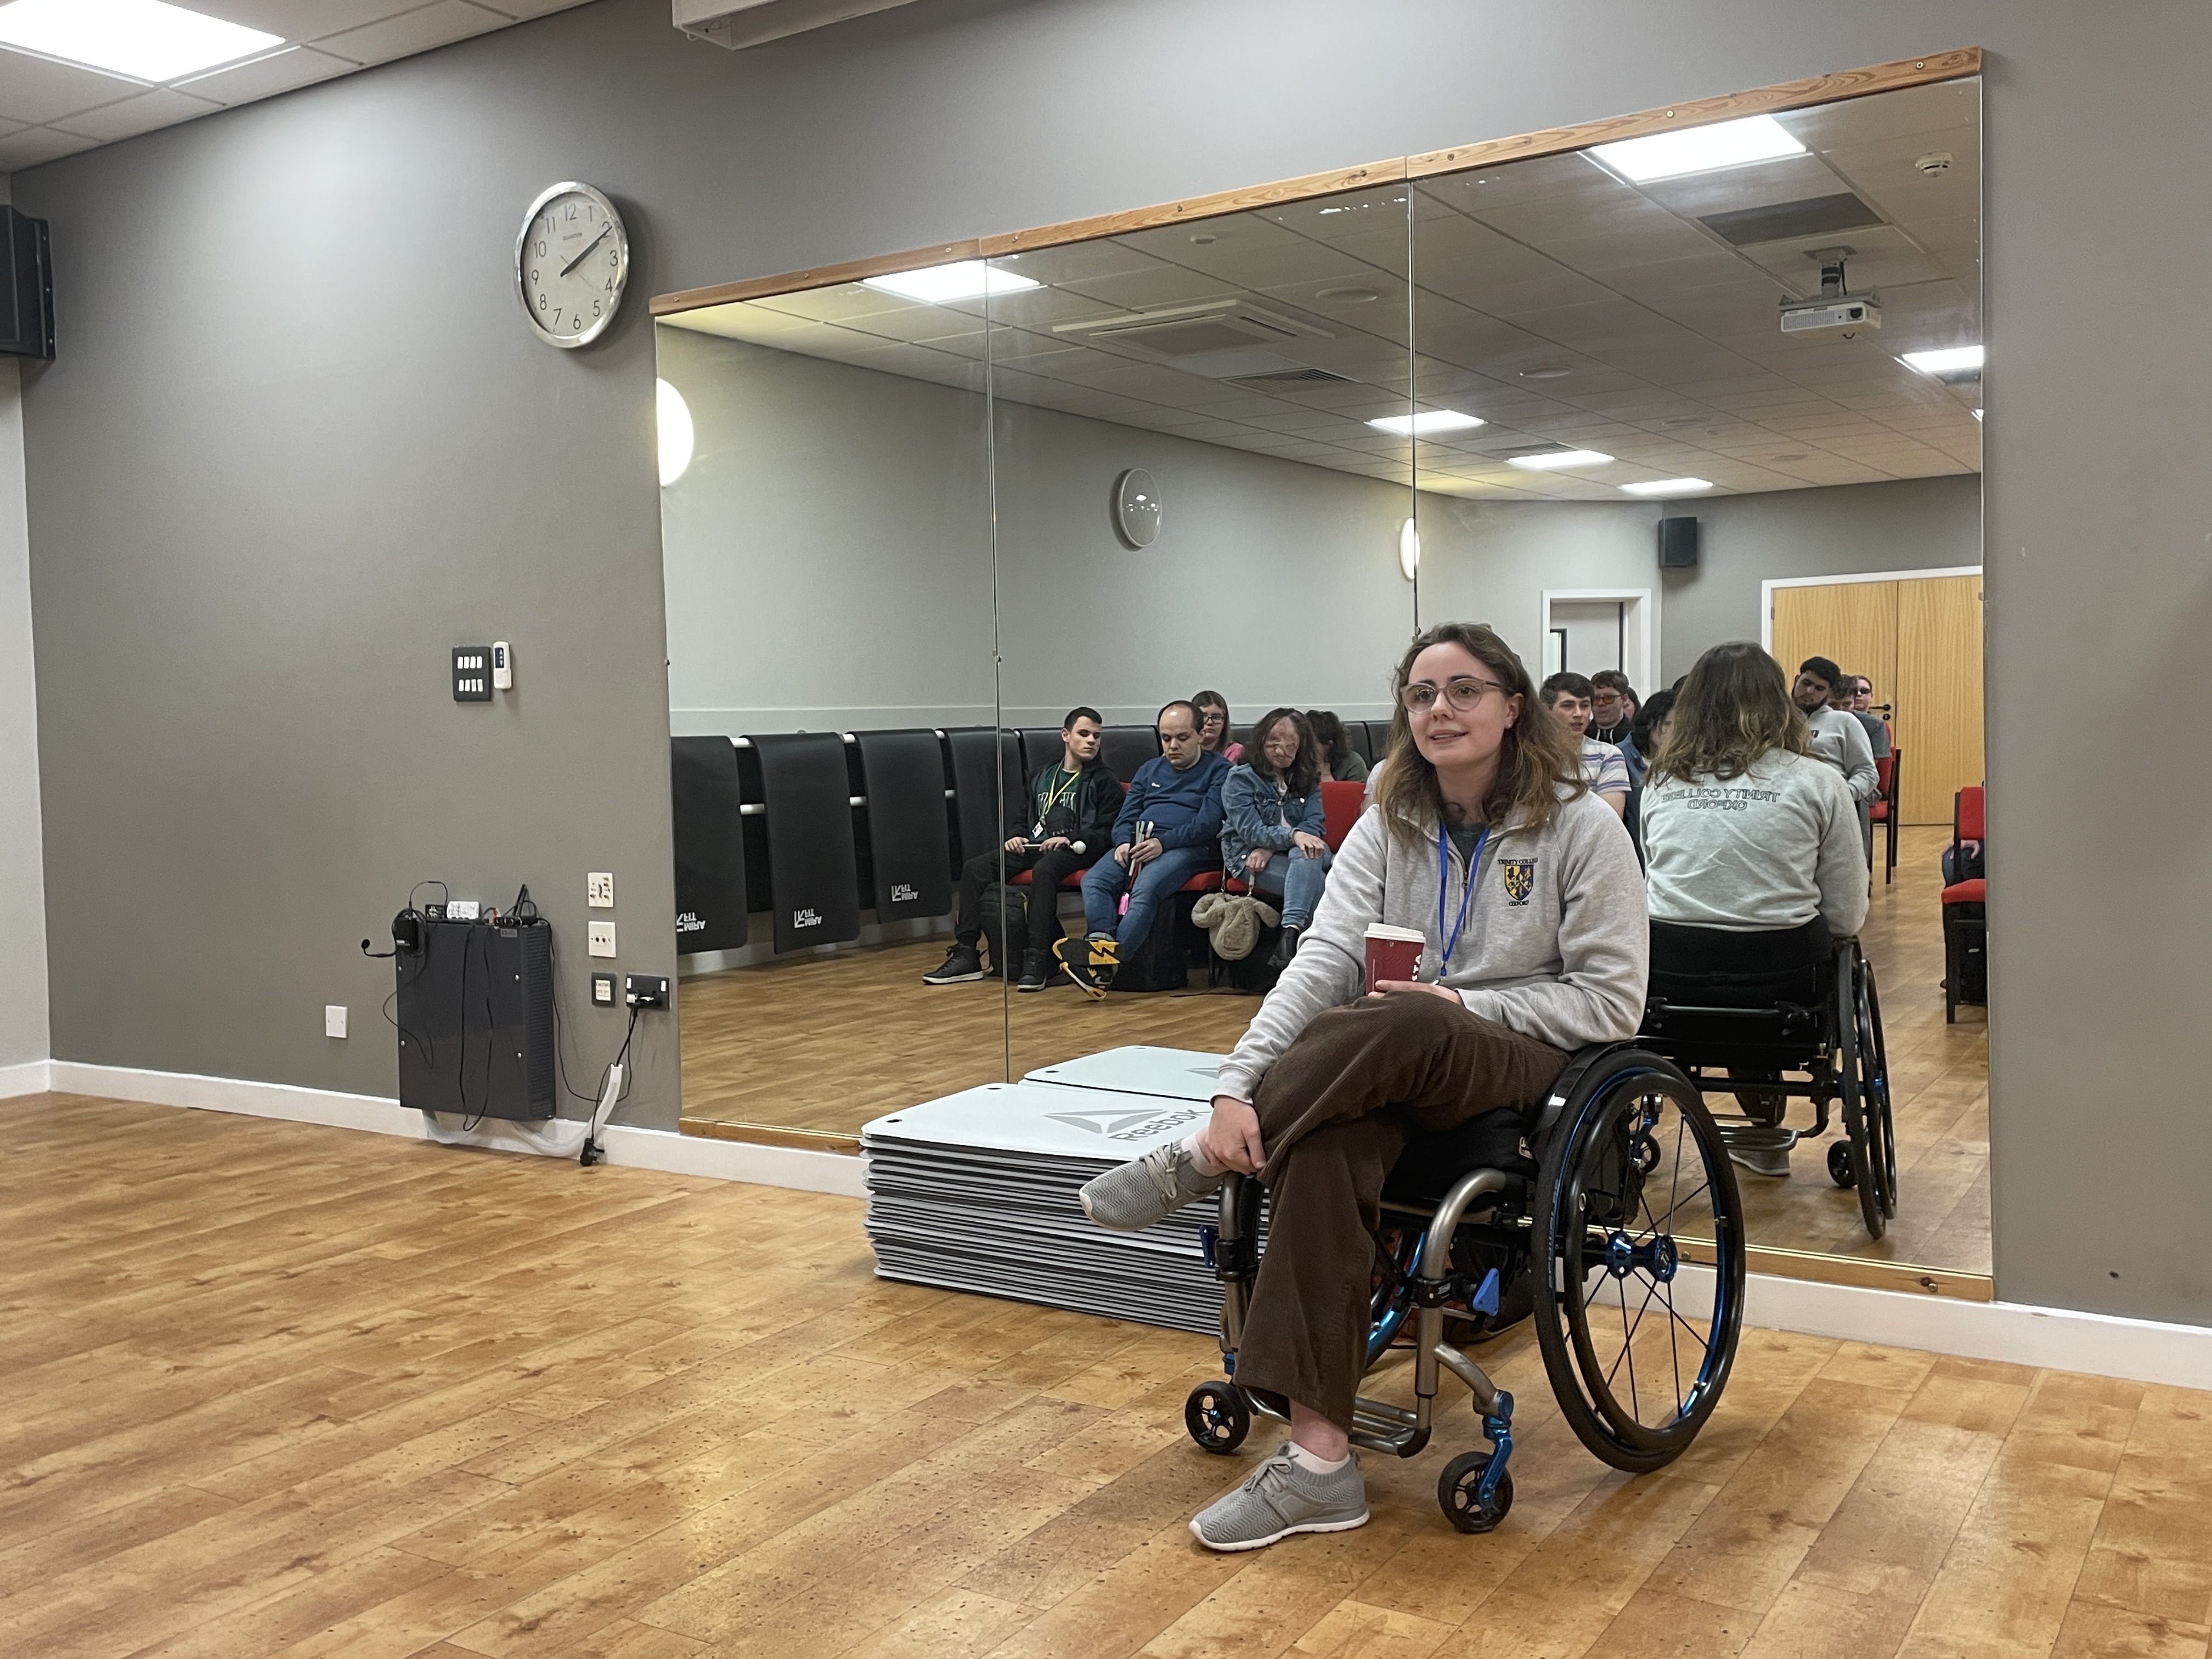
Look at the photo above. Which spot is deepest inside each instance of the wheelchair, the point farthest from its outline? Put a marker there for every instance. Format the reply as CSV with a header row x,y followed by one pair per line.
x,y
1622,1236
1836,1044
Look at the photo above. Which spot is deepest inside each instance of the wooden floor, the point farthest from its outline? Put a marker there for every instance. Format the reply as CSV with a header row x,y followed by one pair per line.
x,y
274,1389
824,1043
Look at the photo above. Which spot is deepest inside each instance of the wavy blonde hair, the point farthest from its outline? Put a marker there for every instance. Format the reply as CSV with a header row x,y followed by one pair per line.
x,y
1733,708
1537,757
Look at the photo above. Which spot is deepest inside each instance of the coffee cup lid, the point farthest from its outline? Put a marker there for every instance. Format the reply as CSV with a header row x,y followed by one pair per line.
x,y
1384,930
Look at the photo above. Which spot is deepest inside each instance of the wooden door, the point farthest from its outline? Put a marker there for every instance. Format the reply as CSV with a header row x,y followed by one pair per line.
x,y
1853,624
1939,693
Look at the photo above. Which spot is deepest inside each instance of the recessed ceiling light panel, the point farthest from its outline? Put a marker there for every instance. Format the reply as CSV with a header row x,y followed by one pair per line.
x,y
1700,149
1959,362
145,39
1667,486
942,284
1559,459
1428,421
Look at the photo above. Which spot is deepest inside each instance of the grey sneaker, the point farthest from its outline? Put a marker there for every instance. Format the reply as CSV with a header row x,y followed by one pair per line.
x,y
1279,1498
1130,1197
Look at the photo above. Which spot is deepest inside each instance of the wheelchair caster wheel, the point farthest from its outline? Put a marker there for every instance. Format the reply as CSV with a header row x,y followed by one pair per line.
x,y
1839,1163
1217,1417
1456,1494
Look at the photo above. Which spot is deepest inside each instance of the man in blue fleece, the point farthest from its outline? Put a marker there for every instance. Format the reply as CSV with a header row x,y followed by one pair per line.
x,y
1175,801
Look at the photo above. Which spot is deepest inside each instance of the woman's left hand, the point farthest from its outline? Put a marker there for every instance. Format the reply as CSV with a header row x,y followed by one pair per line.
x,y
1312,846
1399,987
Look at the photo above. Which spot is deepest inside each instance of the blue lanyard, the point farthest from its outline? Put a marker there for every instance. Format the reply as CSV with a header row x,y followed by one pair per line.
x,y
1466,893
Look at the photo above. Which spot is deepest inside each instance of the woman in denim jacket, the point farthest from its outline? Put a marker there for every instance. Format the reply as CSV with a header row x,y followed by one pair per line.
x,y
1271,829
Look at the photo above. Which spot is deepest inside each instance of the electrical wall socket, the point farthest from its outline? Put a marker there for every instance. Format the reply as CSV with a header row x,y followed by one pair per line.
x,y
603,990
334,1020
599,890
599,937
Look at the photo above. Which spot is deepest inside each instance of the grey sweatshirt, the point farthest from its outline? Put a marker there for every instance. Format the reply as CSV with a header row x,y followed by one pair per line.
x,y
1555,943
1771,849
1841,741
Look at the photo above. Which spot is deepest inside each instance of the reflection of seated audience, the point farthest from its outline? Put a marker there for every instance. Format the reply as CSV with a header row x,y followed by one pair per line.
x,y
1648,732
1751,844
1271,829
1339,762
1176,797
1605,769
1839,739
1213,726
1073,799
1613,716
1857,698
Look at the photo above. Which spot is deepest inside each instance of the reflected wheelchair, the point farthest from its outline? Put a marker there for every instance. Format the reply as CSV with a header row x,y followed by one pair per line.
x,y
1836,1045
1621,1233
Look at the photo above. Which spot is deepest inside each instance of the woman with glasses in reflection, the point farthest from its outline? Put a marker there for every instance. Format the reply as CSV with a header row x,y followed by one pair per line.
x,y
1522,885
1213,726
1271,824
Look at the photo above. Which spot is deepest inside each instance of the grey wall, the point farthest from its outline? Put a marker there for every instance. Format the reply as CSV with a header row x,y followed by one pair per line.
x,y
828,503
297,443
1493,560
23,886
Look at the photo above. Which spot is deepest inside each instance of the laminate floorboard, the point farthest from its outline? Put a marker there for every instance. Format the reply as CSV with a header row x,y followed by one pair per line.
x,y
280,1391
823,1043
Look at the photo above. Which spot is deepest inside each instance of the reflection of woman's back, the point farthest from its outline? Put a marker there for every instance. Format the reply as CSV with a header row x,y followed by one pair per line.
x,y
1750,845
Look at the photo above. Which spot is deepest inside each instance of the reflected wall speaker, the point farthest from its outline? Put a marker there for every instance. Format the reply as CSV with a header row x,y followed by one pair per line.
x,y
1678,543
26,287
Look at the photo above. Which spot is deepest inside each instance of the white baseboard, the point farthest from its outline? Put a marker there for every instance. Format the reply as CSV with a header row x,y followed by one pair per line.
x,y
625,1145
32,1076
2141,1350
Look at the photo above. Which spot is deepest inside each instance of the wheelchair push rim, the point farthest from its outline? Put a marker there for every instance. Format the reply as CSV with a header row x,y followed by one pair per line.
x,y
1637,1337
1881,1128
1856,1076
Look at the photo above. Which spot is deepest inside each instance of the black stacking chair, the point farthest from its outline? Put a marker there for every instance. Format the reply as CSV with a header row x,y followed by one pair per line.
x,y
1355,735
813,871
909,840
1041,747
977,757
1125,748
710,847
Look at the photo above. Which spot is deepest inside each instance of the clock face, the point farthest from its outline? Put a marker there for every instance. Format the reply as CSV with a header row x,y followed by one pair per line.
x,y
570,263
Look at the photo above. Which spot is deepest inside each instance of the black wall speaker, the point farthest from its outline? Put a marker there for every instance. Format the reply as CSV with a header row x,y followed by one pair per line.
x,y
26,287
1678,543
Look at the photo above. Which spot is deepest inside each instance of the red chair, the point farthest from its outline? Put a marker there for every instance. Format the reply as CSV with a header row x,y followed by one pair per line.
x,y
1341,806
1965,911
1883,811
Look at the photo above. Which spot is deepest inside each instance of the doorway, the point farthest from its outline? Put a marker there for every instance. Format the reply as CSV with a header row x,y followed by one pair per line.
x,y
1589,629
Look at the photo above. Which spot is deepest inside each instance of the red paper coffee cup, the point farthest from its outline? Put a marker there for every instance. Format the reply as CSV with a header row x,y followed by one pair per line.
x,y
1392,953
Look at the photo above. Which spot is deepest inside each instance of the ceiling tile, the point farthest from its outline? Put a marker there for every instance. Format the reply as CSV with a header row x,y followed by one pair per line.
x,y
307,19
34,145
266,76
132,116
36,89
438,24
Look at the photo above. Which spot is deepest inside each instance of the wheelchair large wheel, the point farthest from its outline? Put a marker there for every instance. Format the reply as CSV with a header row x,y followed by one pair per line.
x,y
1636,1340
1881,1128
1854,1070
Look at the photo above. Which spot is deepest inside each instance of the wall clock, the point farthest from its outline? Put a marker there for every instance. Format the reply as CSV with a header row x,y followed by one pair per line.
x,y
571,262
1136,507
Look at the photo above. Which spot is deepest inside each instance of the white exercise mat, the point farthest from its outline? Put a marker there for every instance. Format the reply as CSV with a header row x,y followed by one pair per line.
x,y
1101,1125
1175,1073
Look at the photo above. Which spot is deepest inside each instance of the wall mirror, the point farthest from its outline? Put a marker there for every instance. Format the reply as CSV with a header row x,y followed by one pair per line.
x,y
1585,393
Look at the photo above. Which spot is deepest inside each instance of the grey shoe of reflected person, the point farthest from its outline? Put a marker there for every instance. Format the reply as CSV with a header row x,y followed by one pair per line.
x,y
1130,1197
1279,1498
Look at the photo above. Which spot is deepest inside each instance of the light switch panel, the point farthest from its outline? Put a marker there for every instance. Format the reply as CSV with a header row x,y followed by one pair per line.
x,y
599,890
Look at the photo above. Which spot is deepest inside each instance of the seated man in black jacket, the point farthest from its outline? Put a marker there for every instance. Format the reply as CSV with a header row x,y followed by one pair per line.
x,y
1063,824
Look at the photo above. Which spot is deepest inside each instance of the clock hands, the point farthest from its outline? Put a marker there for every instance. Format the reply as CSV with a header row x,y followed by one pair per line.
x,y
586,254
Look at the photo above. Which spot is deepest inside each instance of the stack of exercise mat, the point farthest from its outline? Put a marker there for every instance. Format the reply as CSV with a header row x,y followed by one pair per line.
x,y
977,1191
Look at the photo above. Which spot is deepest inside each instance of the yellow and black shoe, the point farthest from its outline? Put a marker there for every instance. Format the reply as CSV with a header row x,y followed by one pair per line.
x,y
1090,962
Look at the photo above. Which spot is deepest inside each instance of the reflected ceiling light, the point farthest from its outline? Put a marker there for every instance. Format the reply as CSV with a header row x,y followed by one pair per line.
x,y
1348,296
1978,414
1667,486
1951,362
672,416
1700,149
145,39
1428,420
942,284
1558,458
1553,372
1409,550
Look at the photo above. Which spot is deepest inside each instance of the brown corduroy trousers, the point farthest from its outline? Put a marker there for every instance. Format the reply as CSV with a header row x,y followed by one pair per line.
x,y
1335,1111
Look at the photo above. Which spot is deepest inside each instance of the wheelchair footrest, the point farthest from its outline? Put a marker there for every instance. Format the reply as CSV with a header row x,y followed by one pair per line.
x,y
1498,1429
1755,1137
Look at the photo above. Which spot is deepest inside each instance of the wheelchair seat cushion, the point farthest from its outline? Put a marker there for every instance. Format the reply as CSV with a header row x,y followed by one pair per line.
x,y
1429,1164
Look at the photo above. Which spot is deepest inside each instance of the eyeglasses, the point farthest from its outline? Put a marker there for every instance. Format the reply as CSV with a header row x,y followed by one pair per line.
x,y
1607,699
1463,694
1212,717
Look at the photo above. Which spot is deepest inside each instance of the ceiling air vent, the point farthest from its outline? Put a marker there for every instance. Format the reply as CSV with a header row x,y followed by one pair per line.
x,y
1785,222
1221,339
1283,377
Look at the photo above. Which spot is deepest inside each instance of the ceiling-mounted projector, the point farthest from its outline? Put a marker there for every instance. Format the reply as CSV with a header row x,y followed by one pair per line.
x,y
1836,307
737,24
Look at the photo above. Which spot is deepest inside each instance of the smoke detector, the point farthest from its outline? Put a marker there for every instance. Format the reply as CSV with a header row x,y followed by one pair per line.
x,y
1935,162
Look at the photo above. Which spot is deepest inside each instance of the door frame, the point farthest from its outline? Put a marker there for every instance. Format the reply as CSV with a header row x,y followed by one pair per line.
x,y
1639,628
1767,590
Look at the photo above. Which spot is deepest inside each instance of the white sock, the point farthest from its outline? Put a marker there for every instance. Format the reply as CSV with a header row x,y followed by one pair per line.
x,y
1306,1460
1206,1165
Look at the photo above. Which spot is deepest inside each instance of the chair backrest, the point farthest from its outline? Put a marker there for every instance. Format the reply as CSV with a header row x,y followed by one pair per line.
x,y
1355,737
1966,815
976,776
1378,739
909,840
1341,804
710,846
1041,747
1125,748
1883,766
813,873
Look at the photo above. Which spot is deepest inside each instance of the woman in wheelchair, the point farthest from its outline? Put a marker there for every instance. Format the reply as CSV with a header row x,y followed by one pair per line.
x,y
1752,845
1526,891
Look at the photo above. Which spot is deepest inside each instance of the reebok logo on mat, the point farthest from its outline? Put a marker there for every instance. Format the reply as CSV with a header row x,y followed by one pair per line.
x,y
1124,1124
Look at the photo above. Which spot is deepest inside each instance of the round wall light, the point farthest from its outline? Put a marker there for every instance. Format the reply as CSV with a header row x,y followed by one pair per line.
x,y
1137,508
1409,550
672,416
